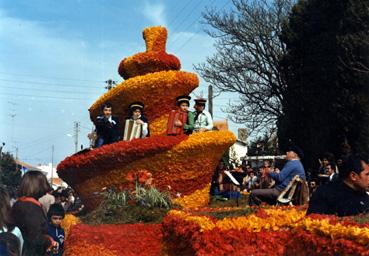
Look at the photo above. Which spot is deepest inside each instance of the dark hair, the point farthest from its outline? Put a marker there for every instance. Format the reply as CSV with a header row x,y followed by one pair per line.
x,y
55,210
106,105
352,164
34,184
333,165
5,209
11,243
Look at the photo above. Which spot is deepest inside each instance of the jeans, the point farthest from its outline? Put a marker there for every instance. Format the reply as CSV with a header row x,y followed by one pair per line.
x,y
99,142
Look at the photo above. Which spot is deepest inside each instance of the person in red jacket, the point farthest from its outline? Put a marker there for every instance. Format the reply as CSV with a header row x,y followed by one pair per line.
x,y
30,217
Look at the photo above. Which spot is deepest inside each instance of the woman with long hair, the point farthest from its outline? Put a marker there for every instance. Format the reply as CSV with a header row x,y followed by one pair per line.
x,y
29,215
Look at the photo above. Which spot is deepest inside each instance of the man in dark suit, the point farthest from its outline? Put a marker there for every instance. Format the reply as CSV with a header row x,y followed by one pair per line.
x,y
347,195
107,127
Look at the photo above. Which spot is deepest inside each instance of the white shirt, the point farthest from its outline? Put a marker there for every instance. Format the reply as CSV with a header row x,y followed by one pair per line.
x,y
204,120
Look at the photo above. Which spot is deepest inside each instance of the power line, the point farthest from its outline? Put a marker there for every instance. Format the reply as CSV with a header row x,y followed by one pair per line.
x,y
194,34
42,97
188,15
47,83
51,78
179,13
45,90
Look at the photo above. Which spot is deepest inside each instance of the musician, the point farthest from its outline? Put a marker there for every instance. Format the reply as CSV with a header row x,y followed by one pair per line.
x,y
136,113
292,167
265,180
107,127
203,119
187,123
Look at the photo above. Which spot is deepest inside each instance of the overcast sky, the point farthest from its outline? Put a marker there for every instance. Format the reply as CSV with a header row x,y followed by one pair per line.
x,y
56,55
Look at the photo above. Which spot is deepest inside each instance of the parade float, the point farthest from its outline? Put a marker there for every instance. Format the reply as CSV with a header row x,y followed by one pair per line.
x,y
182,163
183,166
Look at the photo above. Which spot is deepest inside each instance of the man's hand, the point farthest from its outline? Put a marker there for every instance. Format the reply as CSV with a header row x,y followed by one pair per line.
x,y
139,121
178,123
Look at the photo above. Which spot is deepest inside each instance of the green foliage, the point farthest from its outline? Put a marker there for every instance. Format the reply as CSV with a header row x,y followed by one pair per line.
x,y
141,205
9,175
216,203
263,146
326,68
231,213
362,219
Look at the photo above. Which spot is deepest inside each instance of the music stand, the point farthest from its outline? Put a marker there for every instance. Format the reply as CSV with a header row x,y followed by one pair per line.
x,y
235,182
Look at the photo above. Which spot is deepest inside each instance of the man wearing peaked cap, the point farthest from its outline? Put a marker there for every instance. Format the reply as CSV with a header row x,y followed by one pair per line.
x,y
183,103
136,113
292,168
203,119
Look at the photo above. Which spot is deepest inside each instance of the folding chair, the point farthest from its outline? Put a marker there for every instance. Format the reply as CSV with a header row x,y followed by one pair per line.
x,y
287,195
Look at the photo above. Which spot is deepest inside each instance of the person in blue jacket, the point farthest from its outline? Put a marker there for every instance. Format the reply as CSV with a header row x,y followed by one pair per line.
x,y
55,215
292,168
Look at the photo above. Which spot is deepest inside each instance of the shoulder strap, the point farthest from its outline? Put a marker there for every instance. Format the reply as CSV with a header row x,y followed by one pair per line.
x,y
30,200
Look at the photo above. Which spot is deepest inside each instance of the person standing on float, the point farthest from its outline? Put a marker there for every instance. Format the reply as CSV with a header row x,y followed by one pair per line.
x,y
136,114
107,127
183,103
203,119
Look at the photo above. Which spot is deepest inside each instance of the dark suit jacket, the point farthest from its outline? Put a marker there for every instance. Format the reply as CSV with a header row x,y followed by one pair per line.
x,y
110,132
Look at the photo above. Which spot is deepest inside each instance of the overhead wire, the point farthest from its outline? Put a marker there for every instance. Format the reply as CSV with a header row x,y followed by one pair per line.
x,y
46,83
194,34
45,90
41,97
52,78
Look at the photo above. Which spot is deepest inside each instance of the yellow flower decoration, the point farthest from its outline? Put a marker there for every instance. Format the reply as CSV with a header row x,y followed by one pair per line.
x,y
69,221
199,198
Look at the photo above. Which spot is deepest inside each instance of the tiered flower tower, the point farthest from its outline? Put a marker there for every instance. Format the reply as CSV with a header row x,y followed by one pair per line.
x,y
183,164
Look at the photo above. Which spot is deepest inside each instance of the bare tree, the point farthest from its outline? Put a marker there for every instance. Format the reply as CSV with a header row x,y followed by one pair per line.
x,y
246,62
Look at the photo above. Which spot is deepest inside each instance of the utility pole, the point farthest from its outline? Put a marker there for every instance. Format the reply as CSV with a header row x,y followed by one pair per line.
x,y
210,99
13,115
110,84
76,131
52,165
16,159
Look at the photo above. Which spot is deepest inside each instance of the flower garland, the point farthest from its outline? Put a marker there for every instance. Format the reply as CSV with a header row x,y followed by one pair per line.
x,y
199,198
336,230
108,240
69,221
123,152
281,230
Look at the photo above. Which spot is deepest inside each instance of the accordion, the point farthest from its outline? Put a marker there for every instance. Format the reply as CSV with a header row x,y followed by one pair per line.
x,y
132,130
174,116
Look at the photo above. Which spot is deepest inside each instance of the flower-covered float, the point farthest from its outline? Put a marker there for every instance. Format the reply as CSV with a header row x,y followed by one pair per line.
x,y
182,163
185,163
